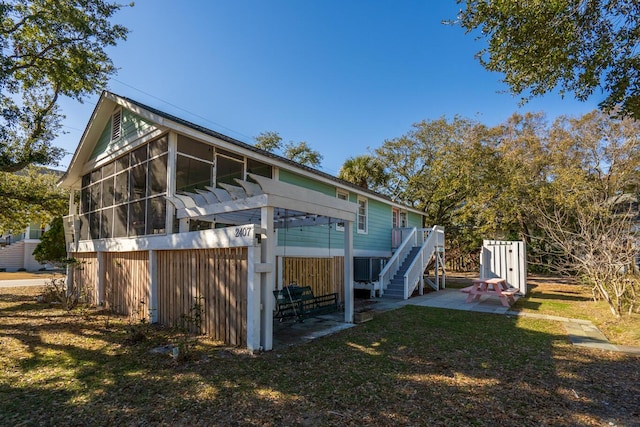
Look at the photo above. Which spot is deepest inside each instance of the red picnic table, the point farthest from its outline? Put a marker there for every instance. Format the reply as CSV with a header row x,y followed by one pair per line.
x,y
496,287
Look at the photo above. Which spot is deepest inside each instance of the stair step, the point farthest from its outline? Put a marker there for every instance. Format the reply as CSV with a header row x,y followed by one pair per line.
x,y
395,295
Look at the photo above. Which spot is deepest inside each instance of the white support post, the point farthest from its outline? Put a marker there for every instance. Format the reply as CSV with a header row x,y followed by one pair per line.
x,y
73,209
268,256
171,179
153,287
253,299
348,271
437,267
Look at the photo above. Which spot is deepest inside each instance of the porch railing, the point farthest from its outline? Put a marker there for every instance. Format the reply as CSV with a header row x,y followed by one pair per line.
x,y
433,240
393,264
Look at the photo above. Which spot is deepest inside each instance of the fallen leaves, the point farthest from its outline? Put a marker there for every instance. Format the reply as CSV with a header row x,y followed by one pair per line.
x,y
414,366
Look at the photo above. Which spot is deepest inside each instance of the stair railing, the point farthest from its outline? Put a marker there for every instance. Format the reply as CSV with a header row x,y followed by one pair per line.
x,y
433,238
394,263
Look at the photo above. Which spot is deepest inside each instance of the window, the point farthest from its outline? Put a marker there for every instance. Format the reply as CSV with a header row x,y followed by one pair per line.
x,y
362,215
116,125
342,195
403,219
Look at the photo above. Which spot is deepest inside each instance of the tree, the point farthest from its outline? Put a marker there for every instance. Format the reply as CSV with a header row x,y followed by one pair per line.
x,y
575,46
269,141
301,152
588,210
48,49
52,248
365,171
30,196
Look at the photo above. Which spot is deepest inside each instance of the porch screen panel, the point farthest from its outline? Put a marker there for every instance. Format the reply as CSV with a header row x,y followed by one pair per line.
x,y
228,169
192,174
115,199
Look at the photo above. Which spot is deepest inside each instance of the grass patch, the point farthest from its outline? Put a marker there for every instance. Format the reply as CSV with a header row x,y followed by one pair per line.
x,y
412,366
565,298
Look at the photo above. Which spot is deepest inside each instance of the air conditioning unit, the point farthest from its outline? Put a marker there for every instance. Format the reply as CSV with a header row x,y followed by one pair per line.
x,y
367,269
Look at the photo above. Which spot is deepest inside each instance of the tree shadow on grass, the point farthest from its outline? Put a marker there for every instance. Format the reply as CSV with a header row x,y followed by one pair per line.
x,y
412,366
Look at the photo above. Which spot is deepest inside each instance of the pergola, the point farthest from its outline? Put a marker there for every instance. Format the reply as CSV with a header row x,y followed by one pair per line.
x,y
269,205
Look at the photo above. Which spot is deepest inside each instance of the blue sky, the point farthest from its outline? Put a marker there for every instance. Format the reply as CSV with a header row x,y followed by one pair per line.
x,y
342,75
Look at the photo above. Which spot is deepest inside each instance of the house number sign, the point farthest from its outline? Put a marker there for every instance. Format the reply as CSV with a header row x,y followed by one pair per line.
x,y
243,231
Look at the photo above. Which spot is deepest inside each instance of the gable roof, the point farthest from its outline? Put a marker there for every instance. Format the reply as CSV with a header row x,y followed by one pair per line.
x,y
108,101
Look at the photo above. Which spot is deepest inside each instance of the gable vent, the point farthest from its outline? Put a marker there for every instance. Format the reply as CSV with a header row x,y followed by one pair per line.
x,y
116,125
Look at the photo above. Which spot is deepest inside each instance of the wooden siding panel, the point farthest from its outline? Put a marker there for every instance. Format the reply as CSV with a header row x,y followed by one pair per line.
x,y
85,276
127,283
214,278
324,275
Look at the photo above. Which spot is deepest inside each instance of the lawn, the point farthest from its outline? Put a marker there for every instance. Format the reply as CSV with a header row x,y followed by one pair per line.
x,y
412,366
565,298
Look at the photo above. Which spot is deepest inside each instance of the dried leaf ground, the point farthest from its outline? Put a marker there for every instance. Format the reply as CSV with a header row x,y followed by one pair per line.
x,y
413,366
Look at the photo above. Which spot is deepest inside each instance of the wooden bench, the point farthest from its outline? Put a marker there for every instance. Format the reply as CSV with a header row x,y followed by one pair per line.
x,y
299,302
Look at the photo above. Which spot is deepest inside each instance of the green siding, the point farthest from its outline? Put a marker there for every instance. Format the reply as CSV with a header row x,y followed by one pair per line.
x,y
103,142
320,236
415,220
133,127
378,236
304,182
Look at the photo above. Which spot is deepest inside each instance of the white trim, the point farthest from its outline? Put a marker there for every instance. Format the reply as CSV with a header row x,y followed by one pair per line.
x,y
253,300
213,238
172,158
306,252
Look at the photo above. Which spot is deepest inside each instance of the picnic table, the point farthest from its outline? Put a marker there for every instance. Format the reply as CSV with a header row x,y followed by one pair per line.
x,y
494,287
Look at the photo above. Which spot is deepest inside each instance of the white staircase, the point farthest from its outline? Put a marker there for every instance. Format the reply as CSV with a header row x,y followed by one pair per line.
x,y
405,270
12,256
